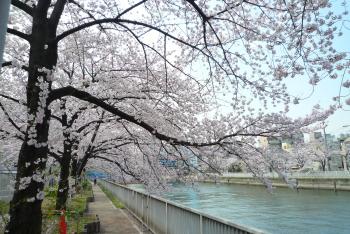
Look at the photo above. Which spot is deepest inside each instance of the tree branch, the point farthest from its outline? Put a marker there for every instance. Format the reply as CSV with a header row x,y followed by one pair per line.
x,y
19,34
199,10
55,156
56,118
9,63
10,119
13,99
130,8
22,6
82,95
56,13
128,172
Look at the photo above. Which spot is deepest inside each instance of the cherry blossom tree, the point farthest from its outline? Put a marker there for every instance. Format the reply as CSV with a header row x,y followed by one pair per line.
x,y
309,153
172,65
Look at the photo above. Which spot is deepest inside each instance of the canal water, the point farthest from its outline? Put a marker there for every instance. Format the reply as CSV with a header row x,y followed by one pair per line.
x,y
283,211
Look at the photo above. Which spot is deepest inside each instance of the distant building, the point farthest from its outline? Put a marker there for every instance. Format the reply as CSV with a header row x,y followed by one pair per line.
x,y
345,152
289,141
286,142
334,149
345,145
316,137
332,143
265,142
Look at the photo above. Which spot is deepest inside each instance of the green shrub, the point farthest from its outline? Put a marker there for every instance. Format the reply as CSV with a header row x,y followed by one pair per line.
x,y
4,209
75,216
51,191
86,185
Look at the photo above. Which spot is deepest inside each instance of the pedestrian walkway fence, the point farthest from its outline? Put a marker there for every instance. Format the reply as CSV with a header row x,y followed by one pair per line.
x,y
296,175
163,216
6,189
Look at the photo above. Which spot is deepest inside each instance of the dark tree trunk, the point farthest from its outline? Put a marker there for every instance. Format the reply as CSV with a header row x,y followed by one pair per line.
x,y
25,207
323,165
63,183
81,165
74,167
88,154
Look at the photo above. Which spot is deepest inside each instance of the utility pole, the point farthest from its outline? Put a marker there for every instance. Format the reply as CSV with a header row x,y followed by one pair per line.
x,y
326,146
4,14
346,150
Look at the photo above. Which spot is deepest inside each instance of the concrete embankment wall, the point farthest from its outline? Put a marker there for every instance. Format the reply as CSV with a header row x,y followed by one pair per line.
x,y
341,184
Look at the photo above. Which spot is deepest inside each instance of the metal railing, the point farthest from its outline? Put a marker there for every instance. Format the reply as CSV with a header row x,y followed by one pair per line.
x,y
6,190
309,174
163,216
322,174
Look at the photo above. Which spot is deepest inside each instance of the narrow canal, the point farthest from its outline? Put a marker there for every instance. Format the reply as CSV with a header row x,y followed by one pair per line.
x,y
283,211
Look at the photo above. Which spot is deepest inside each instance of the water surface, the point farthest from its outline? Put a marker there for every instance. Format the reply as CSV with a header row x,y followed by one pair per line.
x,y
283,211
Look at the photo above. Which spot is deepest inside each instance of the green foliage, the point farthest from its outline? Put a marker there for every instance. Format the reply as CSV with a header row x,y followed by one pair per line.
x,y
75,217
86,185
77,204
4,209
115,201
51,191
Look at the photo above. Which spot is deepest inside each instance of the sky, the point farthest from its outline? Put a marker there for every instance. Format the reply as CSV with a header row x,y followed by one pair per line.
x,y
325,91
322,94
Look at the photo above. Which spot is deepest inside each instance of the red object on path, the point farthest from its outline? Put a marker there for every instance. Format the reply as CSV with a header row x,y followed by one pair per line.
x,y
62,224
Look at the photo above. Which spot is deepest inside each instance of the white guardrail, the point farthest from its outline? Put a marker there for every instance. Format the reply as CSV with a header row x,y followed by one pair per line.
x,y
5,189
296,175
162,216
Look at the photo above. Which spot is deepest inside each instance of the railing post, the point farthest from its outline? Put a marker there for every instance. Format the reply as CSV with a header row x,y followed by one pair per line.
x,y
135,194
166,218
200,224
148,210
142,209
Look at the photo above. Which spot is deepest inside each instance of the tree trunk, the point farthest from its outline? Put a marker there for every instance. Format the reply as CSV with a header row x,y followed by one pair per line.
x,y
63,184
88,154
344,162
25,207
323,165
74,159
82,163
74,168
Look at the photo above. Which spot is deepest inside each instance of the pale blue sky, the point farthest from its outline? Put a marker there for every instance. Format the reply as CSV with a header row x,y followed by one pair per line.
x,y
322,95
325,90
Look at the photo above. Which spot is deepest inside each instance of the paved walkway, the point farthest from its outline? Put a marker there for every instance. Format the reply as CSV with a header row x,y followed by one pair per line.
x,y
113,220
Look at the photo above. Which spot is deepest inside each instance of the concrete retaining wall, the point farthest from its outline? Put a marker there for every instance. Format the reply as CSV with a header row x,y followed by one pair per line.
x,y
302,183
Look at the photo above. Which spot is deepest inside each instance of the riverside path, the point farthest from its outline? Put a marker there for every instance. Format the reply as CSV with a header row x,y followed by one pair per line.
x,y
112,219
